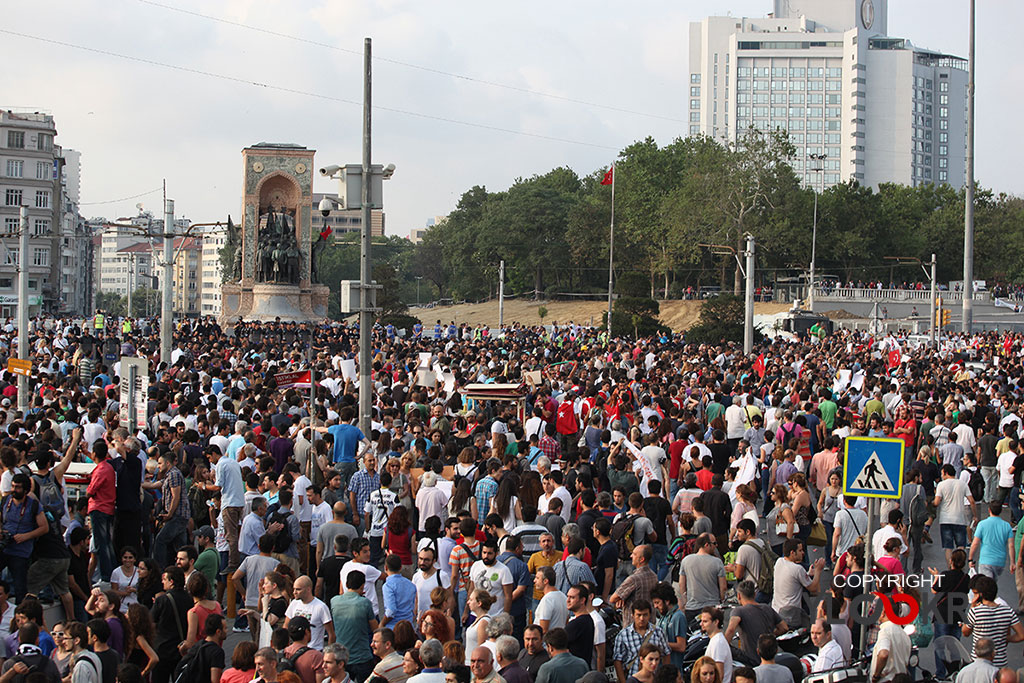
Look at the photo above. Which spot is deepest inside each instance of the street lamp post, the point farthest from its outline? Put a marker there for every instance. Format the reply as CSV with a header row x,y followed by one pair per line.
x,y
418,278
930,273
819,169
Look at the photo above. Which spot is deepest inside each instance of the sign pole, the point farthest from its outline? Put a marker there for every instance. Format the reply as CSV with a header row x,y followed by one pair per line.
x,y
868,559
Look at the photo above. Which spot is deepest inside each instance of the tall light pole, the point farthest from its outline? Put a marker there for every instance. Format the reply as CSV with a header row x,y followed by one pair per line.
x,y
166,314
418,278
967,314
748,273
501,295
365,271
23,353
819,169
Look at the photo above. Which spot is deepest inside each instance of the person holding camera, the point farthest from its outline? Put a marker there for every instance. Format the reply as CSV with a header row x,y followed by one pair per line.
x,y
22,521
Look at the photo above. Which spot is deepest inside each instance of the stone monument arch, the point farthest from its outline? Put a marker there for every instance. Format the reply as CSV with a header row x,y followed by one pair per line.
x,y
276,239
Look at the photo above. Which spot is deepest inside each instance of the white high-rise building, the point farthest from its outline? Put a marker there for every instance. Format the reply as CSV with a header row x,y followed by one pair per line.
x,y
212,270
827,71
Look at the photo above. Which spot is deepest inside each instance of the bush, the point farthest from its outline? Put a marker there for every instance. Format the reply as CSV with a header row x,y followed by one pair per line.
x,y
635,315
721,320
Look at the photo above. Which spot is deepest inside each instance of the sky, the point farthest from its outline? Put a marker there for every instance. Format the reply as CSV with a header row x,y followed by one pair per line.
x,y
545,85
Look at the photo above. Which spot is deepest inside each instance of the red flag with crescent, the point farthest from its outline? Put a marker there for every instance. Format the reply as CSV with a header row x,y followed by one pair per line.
x,y
894,359
759,366
609,176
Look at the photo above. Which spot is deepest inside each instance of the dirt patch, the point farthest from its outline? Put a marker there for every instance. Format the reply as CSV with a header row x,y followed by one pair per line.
x,y
841,314
678,315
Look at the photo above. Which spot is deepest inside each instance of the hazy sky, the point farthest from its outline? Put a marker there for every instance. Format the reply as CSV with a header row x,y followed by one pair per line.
x,y
137,123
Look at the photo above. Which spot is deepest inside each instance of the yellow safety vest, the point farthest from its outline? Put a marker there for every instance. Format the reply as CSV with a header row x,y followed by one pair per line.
x,y
126,326
98,321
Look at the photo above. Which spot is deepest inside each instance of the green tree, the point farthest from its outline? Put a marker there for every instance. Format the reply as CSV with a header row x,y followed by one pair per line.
x,y
145,301
111,303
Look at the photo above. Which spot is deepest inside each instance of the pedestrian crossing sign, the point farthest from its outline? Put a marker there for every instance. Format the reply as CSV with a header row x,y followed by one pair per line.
x,y
873,467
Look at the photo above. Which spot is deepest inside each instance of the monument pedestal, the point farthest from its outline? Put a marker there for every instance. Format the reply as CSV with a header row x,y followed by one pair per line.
x,y
267,302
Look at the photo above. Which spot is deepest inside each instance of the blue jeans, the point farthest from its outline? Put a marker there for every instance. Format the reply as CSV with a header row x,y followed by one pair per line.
x,y
953,536
102,533
659,555
460,599
171,536
942,629
1015,511
18,566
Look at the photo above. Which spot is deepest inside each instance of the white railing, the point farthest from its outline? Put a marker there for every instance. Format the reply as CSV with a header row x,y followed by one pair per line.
x,y
873,294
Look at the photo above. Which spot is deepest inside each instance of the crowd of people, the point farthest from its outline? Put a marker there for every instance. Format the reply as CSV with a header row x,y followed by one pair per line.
x,y
649,511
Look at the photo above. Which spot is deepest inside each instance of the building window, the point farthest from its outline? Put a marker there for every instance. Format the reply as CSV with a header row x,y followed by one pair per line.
x,y
695,91
40,256
11,256
42,170
41,227
694,78
694,130
44,142
15,168
943,150
12,197
944,86
42,199
943,175
16,139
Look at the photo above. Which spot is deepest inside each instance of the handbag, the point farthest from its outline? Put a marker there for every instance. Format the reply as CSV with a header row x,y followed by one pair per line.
x,y
817,535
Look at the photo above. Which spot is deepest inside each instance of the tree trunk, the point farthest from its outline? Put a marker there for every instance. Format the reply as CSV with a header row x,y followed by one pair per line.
x,y
666,285
538,282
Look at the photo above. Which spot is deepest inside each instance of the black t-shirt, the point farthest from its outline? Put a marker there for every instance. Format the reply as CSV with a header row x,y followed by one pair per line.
x,y
110,661
330,572
720,455
607,556
1018,469
581,636
79,569
586,523
987,448
278,606
658,510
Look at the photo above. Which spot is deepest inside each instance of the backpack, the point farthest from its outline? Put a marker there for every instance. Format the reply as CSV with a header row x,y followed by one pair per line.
x,y
193,667
283,538
918,509
289,663
766,577
50,497
681,547
976,485
622,534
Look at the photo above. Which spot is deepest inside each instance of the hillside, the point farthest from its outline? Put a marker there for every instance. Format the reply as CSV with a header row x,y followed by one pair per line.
x,y
679,315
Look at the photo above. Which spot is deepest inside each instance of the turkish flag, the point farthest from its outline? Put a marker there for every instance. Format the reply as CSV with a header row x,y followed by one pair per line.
x,y
608,177
1007,345
759,366
326,233
894,359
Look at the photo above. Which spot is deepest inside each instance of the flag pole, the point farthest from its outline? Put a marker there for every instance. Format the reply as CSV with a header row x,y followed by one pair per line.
x,y
611,255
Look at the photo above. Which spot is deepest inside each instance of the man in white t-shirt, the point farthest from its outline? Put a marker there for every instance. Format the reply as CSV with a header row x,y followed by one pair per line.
x,y
427,579
718,648
552,611
320,513
949,510
361,562
312,608
492,576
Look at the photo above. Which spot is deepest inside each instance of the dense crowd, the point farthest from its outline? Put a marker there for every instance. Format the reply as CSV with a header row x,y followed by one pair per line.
x,y
648,510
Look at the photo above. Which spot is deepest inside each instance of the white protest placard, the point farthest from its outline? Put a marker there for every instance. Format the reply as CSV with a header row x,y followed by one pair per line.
x,y
425,359
426,378
842,381
348,369
857,381
449,383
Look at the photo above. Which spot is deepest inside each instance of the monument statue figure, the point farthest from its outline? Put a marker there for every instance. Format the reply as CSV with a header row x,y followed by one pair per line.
x,y
278,255
317,251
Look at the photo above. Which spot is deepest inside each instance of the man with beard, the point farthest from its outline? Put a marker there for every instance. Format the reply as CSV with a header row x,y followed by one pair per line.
x,y
492,576
23,522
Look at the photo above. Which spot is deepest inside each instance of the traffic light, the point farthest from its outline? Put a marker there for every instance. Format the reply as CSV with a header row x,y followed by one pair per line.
x,y
938,317
945,317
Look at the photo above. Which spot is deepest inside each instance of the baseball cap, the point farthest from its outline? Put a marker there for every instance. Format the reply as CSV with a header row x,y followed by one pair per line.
x,y
206,531
297,626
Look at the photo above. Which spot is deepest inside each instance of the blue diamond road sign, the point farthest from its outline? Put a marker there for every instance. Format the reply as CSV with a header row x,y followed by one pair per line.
x,y
873,467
